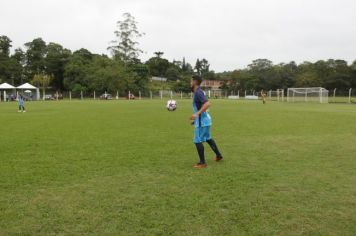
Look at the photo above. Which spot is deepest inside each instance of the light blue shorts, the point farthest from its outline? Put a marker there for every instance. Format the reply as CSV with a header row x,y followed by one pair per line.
x,y
202,134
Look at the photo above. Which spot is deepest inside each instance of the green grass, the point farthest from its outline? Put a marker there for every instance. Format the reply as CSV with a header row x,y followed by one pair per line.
x,y
125,168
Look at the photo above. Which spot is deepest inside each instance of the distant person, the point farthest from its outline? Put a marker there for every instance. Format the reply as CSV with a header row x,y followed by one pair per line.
x,y
202,123
264,96
21,104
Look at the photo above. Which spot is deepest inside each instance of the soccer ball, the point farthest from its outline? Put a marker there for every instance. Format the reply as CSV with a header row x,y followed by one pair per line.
x,y
171,105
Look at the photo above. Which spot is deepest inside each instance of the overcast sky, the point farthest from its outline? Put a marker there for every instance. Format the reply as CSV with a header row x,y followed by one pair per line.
x,y
229,33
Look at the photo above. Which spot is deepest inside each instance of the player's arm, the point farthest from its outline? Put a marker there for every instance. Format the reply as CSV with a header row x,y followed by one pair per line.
x,y
203,109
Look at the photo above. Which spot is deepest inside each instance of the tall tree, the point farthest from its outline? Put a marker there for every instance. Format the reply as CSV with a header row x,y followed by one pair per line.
x,y
5,45
125,46
56,59
198,67
5,63
18,61
205,66
353,74
36,51
339,74
184,65
76,71
158,66
262,73
159,54
202,67
308,79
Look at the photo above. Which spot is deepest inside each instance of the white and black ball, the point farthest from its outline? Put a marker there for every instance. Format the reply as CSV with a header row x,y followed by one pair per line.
x,y
171,105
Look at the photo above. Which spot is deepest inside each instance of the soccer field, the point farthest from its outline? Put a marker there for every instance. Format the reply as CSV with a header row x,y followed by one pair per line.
x,y
125,168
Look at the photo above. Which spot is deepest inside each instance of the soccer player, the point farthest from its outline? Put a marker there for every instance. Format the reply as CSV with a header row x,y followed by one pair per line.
x,y
202,123
263,95
21,104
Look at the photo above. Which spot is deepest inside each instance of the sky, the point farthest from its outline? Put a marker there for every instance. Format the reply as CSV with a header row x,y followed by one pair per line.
x,y
228,33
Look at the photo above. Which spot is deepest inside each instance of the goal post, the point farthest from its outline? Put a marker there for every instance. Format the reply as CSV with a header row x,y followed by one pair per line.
x,y
314,94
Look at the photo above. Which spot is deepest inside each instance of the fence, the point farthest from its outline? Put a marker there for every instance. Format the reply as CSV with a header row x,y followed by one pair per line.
x,y
94,95
342,96
280,95
160,94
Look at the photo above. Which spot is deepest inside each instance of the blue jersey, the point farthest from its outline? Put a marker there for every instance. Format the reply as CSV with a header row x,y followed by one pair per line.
x,y
21,102
199,99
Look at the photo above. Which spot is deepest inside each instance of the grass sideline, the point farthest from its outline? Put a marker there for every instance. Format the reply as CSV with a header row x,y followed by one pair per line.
x,y
125,168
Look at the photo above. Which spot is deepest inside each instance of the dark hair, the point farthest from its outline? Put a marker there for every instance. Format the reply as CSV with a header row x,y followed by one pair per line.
x,y
197,78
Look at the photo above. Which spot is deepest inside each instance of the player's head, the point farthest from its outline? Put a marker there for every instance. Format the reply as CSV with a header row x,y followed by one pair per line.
x,y
196,81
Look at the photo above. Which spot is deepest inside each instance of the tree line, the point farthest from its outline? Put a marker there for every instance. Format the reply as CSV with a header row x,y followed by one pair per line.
x,y
263,74
52,65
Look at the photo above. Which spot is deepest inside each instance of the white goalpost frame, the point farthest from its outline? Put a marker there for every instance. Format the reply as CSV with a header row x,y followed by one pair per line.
x,y
312,94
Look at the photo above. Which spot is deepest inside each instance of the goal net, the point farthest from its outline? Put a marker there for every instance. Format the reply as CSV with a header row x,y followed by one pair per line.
x,y
316,94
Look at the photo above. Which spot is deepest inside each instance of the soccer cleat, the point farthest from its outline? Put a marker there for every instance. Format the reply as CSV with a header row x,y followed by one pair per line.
x,y
200,166
217,159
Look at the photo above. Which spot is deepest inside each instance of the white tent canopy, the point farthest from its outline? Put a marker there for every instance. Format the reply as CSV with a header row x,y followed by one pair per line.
x,y
6,86
26,86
